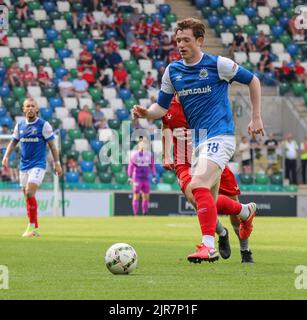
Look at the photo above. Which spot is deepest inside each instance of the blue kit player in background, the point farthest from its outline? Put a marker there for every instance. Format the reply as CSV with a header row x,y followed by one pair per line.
x,y
33,134
201,82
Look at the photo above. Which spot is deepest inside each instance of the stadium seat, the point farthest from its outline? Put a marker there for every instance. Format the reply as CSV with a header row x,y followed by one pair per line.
x,y
114,124
48,53
116,104
105,177
68,123
246,178
81,145
61,113
86,101
298,89
73,44
72,177
229,3
277,48
272,3
242,20
129,103
89,177
262,179
60,25
145,65
5,52
240,57
227,38
263,11
46,113
70,63
105,135
276,179
88,155
122,114
55,102
86,166
284,57
121,177
124,94
34,91
265,28
169,177
109,93
14,42
40,15
90,134
254,57
149,8
49,92
37,33
70,103
42,102
74,133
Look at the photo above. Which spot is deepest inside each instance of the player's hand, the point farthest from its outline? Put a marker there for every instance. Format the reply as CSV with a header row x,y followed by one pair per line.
x,y
167,163
138,112
255,127
58,169
129,180
5,162
154,180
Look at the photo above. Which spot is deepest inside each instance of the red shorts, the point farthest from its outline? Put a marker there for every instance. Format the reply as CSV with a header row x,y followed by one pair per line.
x,y
228,185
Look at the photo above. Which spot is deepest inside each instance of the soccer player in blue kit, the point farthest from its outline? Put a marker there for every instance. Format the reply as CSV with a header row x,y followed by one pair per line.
x,y
201,82
33,134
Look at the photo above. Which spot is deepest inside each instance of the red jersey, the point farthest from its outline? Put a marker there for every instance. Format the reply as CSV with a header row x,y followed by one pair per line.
x,y
156,29
176,121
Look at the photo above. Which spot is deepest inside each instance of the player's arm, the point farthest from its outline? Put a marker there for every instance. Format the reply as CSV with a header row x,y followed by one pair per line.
x,y
56,159
130,170
159,109
167,139
11,146
228,70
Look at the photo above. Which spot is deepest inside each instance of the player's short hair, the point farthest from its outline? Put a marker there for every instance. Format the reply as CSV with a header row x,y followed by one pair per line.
x,y
197,27
30,101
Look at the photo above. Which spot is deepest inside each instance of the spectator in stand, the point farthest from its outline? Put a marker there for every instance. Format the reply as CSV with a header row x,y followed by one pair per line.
x,y
141,29
126,31
28,76
262,43
5,174
112,43
256,3
103,79
88,74
160,75
100,121
174,56
303,149
154,49
124,6
286,72
250,46
265,64
238,43
75,12
3,37
100,58
88,21
149,81
15,75
167,46
135,16
43,77
85,56
113,58
22,10
290,149
109,19
120,76
245,152
80,86
85,118
156,29
297,34
300,71
139,49
271,144
72,165
66,87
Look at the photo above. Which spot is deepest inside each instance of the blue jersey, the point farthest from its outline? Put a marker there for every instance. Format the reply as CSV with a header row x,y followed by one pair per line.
x,y
33,137
202,89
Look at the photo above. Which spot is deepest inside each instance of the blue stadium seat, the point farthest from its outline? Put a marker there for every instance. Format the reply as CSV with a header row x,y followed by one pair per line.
x,y
90,44
46,113
292,48
49,6
164,9
269,78
96,145
228,21
2,71
154,15
55,102
122,114
200,4
52,35
6,121
277,31
124,94
87,166
4,91
72,177
250,12
60,72
158,64
285,4
214,4
283,21
213,21
64,53
3,111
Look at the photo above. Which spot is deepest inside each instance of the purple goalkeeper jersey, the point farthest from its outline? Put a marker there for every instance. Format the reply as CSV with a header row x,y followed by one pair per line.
x,y
140,166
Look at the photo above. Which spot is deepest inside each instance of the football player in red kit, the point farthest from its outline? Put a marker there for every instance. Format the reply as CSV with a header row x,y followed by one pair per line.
x,y
176,132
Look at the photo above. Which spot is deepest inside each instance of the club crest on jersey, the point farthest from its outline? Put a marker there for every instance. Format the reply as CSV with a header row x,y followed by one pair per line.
x,y
169,116
203,74
34,131
179,77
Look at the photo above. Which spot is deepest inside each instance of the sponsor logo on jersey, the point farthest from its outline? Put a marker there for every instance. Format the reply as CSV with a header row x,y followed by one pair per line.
x,y
29,139
203,74
186,92
179,77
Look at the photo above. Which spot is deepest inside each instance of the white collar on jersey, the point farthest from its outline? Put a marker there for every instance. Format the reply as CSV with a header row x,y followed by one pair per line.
x,y
27,122
193,64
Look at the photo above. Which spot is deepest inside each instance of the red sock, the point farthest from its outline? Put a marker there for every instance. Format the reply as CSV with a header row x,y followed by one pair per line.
x,y
225,205
32,211
206,210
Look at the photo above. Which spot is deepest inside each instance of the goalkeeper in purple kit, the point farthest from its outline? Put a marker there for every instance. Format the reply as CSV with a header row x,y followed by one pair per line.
x,y
140,166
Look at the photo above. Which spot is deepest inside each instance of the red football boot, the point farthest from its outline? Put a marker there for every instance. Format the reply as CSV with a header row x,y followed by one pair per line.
x,y
246,226
203,253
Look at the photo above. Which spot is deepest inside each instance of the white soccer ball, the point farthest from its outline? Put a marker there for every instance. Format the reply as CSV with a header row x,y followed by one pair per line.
x,y
121,258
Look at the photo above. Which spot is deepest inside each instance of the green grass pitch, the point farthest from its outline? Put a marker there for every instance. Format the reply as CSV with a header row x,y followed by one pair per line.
x,y
67,261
